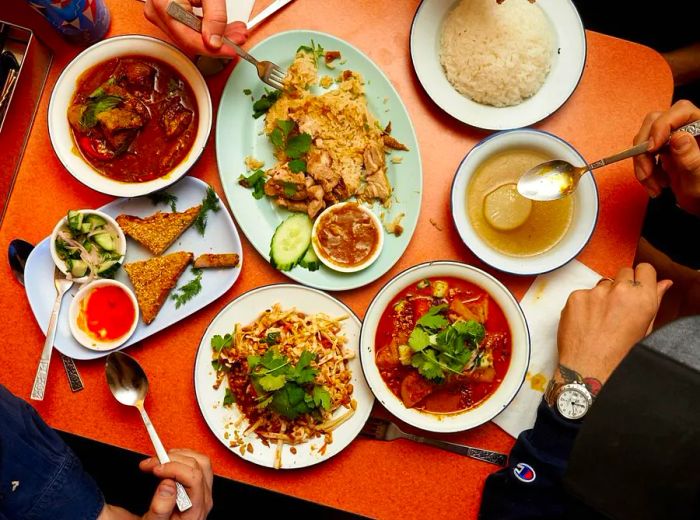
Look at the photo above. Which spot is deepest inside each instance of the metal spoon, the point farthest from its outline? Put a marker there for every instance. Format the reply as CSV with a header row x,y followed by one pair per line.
x,y
129,385
17,254
554,180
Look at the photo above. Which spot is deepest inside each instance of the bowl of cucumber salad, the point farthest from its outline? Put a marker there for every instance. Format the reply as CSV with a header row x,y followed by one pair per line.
x,y
87,244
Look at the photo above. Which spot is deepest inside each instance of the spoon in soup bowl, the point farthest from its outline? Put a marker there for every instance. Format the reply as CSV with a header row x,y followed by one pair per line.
x,y
556,179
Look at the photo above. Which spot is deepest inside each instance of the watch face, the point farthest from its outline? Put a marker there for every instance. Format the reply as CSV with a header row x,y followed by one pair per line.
x,y
572,403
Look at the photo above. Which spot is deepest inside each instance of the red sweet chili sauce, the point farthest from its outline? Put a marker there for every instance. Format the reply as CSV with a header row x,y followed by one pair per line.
x,y
107,313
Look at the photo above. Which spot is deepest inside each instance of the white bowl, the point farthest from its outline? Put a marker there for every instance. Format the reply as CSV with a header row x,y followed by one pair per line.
x,y
583,219
520,348
121,249
89,341
60,131
359,267
563,78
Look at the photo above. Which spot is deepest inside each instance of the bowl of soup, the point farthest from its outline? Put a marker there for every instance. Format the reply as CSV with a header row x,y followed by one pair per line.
x,y
503,228
129,115
444,346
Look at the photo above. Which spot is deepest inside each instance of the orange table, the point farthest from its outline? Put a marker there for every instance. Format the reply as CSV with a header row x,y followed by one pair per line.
x,y
622,81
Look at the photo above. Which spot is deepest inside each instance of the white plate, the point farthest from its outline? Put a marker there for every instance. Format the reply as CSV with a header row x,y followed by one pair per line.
x,y
583,220
245,309
239,135
126,45
221,237
564,76
520,348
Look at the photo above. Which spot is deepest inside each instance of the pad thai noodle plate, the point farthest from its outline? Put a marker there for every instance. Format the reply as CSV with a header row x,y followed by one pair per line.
x,y
278,377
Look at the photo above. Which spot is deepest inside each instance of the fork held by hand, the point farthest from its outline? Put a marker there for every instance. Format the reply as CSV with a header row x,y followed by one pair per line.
x,y
384,430
268,72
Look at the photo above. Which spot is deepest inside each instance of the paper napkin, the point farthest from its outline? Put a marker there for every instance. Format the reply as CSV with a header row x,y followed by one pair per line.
x,y
542,306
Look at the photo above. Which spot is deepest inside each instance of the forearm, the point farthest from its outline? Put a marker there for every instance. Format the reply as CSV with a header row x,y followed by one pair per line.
x,y
685,64
110,512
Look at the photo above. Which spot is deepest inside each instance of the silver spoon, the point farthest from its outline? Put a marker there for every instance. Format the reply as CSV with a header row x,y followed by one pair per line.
x,y
17,254
129,385
554,180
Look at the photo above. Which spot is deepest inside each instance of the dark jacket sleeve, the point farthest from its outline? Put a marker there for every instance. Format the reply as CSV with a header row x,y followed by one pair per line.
x,y
531,485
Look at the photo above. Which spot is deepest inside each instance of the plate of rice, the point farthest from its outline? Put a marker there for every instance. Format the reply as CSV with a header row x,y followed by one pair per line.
x,y
498,64
339,132
278,376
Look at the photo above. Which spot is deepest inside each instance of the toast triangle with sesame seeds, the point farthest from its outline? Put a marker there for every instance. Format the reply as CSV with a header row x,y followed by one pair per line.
x,y
158,232
153,279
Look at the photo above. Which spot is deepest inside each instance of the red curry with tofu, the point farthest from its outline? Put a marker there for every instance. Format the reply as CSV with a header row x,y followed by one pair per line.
x,y
443,345
134,118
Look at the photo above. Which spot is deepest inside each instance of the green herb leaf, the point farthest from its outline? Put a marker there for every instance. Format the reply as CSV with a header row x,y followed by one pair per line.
x,y
270,382
189,290
418,340
216,364
289,401
256,181
273,338
277,138
88,119
297,165
321,397
163,197
433,319
210,202
298,145
303,372
262,105
471,328
428,366
229,398
247,91
289,188
218,343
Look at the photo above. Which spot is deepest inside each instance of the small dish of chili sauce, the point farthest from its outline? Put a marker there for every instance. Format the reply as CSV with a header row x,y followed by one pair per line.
x,y
347,237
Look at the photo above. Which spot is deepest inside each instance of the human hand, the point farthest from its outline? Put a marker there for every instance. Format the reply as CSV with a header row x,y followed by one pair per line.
x,y
679,162
599,326
193,471
214,27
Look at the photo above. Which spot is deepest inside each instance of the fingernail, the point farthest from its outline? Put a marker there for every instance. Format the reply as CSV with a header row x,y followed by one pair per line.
x,y
680,142
650,147
215,40
166,491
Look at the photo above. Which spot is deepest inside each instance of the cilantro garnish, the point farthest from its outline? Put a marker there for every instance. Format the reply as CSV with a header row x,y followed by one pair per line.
x,y
287,389
229,398
256,181
218,343
262,105
294,146
314,49
210,202
247,91
440,347
189,290
273,338
289,189
101,103
163,197
297,165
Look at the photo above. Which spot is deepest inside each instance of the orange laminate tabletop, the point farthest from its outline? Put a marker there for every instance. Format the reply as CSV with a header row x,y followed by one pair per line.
x,y
622,81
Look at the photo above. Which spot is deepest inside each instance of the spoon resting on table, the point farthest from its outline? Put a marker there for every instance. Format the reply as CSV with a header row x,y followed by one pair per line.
x,y
129,385
554,180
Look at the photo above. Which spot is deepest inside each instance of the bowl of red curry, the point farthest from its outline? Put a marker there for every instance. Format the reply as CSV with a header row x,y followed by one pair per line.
x,y
445,346
129,115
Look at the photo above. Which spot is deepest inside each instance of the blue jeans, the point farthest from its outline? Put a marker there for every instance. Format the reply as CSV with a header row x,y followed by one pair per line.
x,y
40,477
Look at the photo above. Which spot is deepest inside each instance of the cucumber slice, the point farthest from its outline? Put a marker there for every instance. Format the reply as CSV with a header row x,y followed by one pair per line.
x,y
106,241
104,266
85,227
290,241
95,220
310,261
75,220
79,268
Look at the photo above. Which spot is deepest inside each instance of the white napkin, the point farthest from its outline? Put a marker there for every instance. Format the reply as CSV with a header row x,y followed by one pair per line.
x,y
542,305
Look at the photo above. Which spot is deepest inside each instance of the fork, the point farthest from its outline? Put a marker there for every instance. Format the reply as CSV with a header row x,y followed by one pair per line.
x,y
62,285
268,72
384,430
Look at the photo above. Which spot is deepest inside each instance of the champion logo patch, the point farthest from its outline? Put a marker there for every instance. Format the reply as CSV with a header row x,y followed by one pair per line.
x,y
524,473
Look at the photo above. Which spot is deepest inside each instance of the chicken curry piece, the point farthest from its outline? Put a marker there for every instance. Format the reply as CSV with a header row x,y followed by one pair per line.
x,y
133,118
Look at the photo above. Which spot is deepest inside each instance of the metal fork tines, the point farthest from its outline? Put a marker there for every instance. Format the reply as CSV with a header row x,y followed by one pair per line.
x,y
384,430
268,72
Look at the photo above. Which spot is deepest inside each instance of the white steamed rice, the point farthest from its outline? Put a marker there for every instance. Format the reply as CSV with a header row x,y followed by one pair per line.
x,y
497,54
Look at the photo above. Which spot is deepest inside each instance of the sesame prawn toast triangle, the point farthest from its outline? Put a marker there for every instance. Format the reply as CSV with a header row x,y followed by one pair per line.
x,y
158,232
153,280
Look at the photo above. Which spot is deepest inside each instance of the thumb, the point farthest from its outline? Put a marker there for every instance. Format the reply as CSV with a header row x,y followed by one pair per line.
x,y
685,152
163,502
213,23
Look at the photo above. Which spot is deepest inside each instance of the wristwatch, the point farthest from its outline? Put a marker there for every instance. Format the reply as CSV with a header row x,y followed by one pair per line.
x,y
571,400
